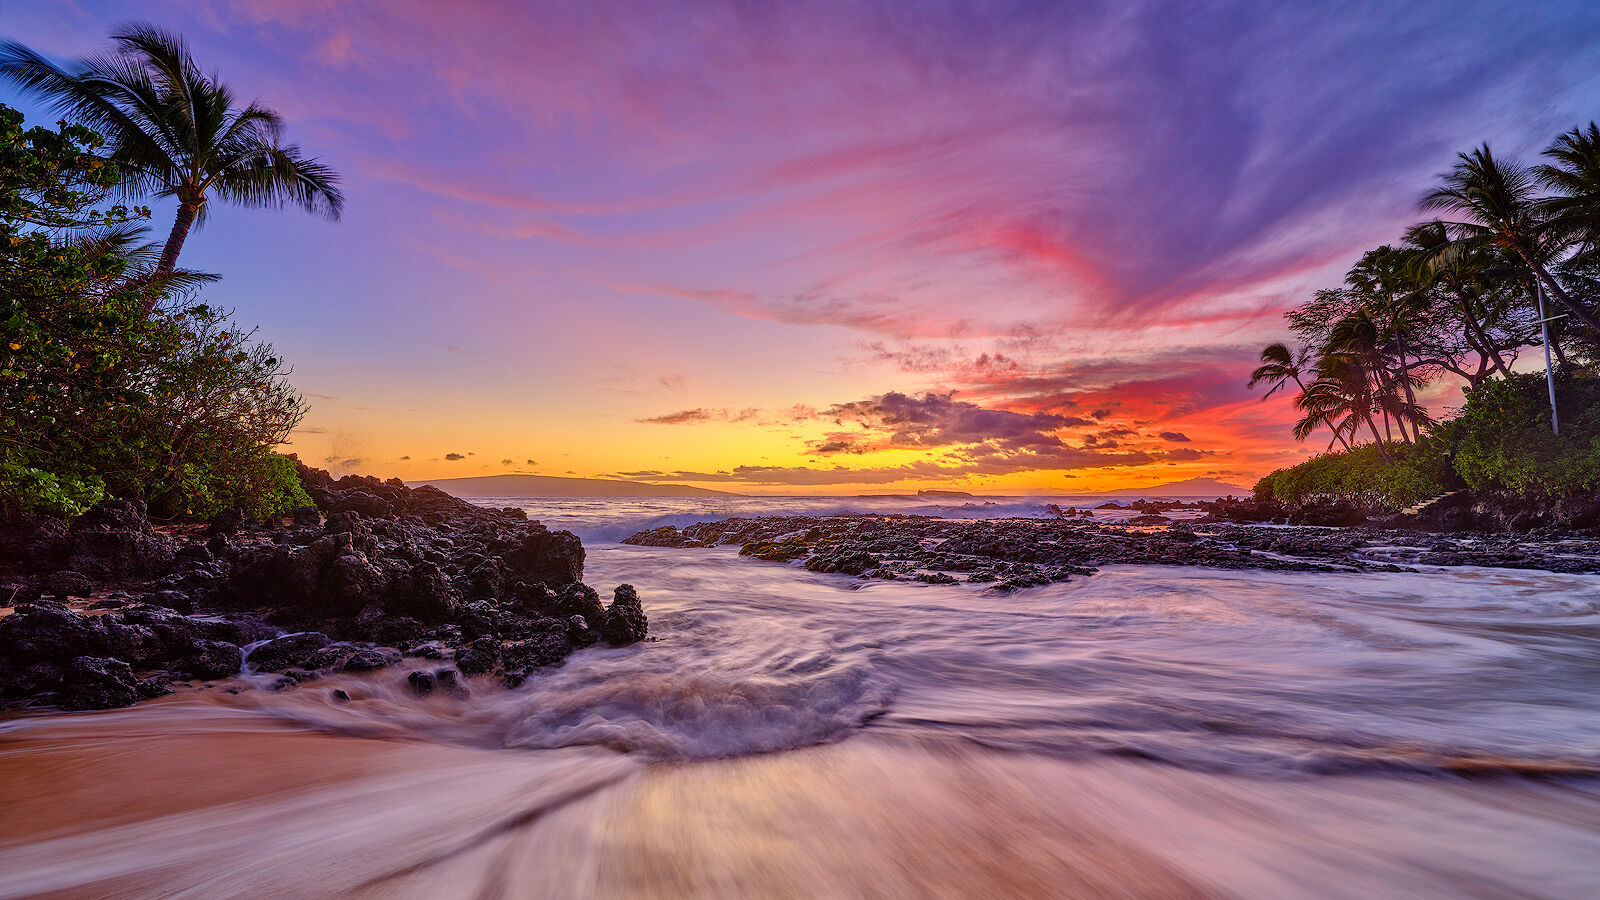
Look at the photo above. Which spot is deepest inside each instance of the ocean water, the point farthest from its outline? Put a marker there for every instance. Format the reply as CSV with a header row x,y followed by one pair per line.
x,y
1147,731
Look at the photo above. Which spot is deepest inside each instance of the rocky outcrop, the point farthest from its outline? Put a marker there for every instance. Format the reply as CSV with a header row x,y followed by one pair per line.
x,y
665,536
1010,554
51,653
1234,509
1463,511
112,609
1499,512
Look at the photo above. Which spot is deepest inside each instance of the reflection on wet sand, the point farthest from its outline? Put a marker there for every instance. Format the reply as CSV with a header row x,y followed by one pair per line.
x,y
174,803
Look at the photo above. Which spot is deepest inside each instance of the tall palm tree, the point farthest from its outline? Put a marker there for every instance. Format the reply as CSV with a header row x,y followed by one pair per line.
x,y
1497,207
1393,304
1573,174
176,131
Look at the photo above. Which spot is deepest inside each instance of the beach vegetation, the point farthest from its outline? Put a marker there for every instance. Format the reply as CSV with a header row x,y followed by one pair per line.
x,y
1511,261
114,380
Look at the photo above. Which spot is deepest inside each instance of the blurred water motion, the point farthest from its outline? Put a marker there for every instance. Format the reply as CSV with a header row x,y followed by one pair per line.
x,y
1146,732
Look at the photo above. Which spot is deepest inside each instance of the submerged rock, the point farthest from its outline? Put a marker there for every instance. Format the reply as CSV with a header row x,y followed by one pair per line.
x,y
212,659
665,536
520,658
92,682
479,658
420,683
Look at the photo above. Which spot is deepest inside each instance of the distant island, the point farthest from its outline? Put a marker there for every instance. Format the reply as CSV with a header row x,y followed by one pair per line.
x,y
943,494
1207,488
556,486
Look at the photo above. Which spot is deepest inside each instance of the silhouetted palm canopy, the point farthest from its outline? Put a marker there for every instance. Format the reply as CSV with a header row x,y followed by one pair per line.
x,y
176,131
1279,366
1573,174
1496,206
1340,398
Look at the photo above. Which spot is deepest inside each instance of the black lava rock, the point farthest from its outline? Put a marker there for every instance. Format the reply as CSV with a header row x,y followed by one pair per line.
x,y
625,622
290,650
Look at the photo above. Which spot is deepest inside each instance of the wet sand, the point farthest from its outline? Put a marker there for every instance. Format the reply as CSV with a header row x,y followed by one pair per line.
x,y
184,800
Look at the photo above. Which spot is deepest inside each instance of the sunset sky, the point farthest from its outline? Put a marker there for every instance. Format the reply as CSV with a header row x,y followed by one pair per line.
x,y
833,247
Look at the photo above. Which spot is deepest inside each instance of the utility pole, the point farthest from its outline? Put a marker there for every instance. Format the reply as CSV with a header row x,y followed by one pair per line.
x,y
1549,371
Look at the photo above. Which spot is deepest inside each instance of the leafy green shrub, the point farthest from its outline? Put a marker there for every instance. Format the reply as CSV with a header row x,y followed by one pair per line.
x,y
111,383
1502,439
1419,471
267,485
30,490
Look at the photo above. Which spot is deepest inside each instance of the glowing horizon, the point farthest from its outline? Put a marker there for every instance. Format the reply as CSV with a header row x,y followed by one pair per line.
x,y
821,248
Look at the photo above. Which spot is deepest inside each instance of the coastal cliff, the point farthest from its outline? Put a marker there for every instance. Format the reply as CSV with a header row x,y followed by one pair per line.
x,y
114,609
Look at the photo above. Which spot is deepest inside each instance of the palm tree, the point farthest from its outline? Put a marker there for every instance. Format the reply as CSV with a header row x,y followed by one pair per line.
x,y
1279,366
1574,176
1342,397
1393,305
1360,339
1497,206
1322,418
1481,307
176,131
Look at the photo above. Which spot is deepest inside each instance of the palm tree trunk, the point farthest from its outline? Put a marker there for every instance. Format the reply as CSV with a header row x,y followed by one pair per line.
x,y
1382,450
180,233
1558,292
1405,380
1340,435
169,252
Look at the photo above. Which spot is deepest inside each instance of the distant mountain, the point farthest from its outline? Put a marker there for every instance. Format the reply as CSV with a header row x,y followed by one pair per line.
x,y
943,494
1203,488
556,486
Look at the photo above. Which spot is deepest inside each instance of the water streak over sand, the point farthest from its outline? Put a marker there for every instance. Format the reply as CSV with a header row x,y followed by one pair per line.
x,y
294,815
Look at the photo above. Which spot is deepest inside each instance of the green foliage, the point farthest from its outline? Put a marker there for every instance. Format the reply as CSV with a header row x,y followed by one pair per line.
x,y
55,179
1458,300
1419,471
266,485
109,384
1502,439
33,491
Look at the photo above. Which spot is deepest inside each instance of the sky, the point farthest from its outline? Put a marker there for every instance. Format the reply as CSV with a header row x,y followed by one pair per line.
x,y
832,247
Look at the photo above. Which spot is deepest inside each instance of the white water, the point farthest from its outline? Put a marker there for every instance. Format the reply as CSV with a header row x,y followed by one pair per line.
x,y
1147,731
